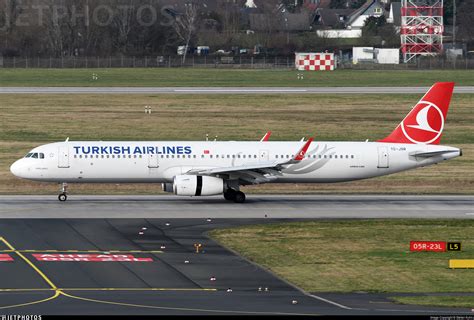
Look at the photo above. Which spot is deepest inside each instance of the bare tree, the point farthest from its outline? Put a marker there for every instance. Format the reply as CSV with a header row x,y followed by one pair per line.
x,y
185,24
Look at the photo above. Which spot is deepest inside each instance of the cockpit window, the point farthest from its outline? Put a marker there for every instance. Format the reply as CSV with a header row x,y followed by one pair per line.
x,y
35,155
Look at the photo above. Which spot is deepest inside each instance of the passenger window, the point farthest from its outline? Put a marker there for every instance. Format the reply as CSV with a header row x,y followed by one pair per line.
x,y
202,156
75,156
319,156
80,156
352,157
194,156
335,156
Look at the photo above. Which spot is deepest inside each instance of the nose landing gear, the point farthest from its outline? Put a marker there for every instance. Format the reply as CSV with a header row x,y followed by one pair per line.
x,y
63,192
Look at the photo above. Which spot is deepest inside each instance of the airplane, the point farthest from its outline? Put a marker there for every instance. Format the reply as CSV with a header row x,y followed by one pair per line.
x,y
205,168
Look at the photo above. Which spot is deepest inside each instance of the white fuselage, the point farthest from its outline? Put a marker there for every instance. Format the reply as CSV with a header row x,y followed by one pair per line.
x,y
161,161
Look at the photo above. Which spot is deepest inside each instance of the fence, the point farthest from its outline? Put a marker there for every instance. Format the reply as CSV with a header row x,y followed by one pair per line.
x,y
243,62
285,62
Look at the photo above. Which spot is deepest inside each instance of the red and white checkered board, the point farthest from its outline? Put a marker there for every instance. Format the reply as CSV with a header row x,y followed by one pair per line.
x,y
315,62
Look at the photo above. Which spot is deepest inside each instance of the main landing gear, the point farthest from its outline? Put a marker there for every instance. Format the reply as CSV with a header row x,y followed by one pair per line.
x,y
234,195
63,193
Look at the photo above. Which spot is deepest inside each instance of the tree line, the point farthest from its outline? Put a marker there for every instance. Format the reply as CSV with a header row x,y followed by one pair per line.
x,y
158,27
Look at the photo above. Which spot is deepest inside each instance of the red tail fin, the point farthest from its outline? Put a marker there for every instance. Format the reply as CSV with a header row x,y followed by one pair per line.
x,y
425,122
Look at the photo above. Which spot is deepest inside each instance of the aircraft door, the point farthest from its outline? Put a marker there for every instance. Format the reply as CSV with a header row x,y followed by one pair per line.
x,y
63,157
153,161
383,157
263,155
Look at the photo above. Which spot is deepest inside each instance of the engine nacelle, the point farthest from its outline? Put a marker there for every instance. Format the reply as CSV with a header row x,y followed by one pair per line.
x,y
190,185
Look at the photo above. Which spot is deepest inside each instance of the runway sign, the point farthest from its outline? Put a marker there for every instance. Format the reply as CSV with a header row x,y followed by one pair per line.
x,y
436,246
454,246
314,61
461,264
5,257
90,258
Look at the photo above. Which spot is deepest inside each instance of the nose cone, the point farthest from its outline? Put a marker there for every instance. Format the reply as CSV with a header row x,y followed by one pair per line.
x,y
15,168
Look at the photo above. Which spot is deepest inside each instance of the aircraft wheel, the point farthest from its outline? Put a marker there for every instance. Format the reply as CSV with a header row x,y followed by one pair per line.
x,y
62,197
229,195
239,197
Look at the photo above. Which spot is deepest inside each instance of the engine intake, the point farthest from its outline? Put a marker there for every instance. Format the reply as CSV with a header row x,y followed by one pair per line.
x,y
190,185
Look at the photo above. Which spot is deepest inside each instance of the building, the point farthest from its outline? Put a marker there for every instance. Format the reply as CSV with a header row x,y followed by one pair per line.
x,y
346,23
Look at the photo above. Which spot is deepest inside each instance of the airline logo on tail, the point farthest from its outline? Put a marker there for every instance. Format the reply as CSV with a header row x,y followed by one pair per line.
x,y
429,119
425,122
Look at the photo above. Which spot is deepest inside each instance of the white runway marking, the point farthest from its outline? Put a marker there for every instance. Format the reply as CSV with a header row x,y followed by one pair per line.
x,y
330,302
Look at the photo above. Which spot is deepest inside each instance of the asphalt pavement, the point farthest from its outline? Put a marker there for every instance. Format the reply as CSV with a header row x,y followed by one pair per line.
x,y
224,90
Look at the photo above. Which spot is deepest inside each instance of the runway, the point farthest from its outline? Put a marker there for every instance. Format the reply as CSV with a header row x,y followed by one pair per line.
x,y
256,206
223,90
51,272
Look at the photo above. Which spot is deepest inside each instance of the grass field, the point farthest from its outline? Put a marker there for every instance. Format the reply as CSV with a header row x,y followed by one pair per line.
x,y
31,120
359,255
438,301
164,77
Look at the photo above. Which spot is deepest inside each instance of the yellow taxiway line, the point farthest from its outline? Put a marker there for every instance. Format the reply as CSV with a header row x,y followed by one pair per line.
x,y
104,289
38,271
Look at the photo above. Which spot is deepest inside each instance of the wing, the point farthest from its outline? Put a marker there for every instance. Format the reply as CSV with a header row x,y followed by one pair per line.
x,y
257,173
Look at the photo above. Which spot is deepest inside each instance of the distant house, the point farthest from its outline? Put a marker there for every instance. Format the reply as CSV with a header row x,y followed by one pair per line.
x,y
372,8
293,22
346,23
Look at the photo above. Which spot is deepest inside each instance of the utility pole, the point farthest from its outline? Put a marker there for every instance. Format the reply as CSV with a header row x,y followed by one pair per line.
x,y
454,24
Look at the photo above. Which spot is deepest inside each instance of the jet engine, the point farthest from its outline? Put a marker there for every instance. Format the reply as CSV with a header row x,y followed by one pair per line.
x,y
191,185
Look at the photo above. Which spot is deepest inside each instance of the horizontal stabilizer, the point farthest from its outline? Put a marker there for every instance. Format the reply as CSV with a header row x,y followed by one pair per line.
x,y
431,154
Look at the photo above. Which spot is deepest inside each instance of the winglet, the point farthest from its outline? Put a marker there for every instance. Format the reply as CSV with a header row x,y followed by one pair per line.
x,y
300,155
266,136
